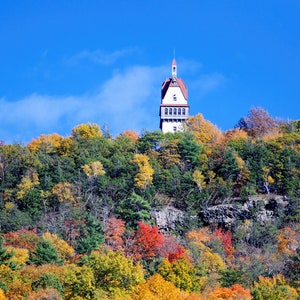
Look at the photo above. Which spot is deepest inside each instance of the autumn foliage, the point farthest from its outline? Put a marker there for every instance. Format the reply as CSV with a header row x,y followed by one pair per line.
x,y
114,231
147,242
226,239
235,292
194,215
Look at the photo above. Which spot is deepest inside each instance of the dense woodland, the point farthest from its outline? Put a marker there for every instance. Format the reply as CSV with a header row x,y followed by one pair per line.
x,y
76,213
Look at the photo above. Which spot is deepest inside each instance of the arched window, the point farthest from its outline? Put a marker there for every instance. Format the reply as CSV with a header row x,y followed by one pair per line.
x,y
179,111
174,97
183,111
170,111
175,111
166,111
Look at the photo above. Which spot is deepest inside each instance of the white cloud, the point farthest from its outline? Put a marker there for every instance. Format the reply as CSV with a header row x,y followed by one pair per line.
x,y
100,57
128,100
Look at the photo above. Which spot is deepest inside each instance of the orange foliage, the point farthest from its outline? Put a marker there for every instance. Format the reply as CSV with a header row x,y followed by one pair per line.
x,y
32,273
235,134
199,236
131,134
114,231
2,296
41,294
27,239
235,292
288,241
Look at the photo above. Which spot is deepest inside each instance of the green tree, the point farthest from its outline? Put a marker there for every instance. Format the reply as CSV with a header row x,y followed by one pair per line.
x,y
91,237
45,253
5,255
133,209
48,280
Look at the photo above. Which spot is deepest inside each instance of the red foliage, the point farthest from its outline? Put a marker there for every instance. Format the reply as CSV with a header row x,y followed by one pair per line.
x,y
226,239
113,233
27,239
147,242
172,250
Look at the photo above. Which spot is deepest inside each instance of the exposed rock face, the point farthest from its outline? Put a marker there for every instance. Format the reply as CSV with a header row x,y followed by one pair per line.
x,y
261,208
167,218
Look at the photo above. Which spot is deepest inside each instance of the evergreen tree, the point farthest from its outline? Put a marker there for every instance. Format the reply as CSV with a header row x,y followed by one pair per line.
x,y
45,253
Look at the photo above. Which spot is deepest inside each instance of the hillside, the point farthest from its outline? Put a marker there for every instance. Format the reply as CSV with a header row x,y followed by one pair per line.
x,y
200,214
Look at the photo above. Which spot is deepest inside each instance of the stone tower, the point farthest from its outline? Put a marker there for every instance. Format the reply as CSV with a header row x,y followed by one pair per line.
x,y
174,108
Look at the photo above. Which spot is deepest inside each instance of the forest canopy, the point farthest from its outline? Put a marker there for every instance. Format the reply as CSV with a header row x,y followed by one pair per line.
x,y
78,214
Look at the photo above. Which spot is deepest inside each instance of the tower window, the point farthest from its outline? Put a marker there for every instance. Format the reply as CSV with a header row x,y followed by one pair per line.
x,y
174,97
170,111
179,111
175,111
183,111
166,111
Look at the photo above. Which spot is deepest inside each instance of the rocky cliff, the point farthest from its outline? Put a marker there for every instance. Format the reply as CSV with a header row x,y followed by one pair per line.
x,y
261,208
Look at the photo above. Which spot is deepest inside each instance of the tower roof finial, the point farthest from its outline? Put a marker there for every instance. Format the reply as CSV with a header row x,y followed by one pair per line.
x,y
174,67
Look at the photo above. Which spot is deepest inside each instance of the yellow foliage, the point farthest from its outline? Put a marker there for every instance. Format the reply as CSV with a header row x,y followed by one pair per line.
x,y
204,131
87,131
169,153
267,287
9,206
18,289
21,256
6,274
240,162
198,178
47,142
270,179
145,175
64,250
78,282
65,192
26,184
93,169
157,288
212,262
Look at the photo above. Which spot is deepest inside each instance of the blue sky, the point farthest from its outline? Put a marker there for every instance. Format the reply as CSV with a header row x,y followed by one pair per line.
x,y
63,63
